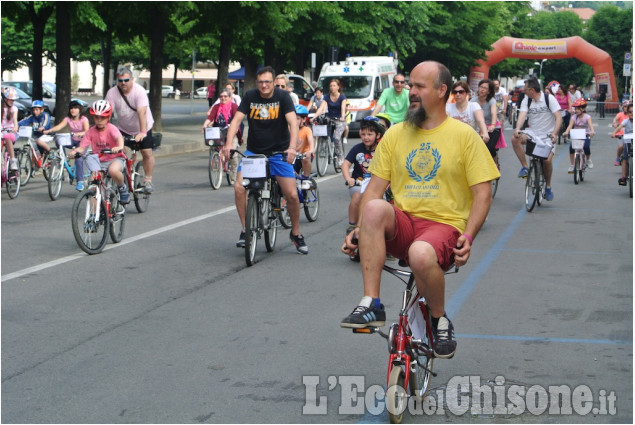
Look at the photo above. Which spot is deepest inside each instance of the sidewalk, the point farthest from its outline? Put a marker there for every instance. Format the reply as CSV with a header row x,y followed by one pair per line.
x,y
179,139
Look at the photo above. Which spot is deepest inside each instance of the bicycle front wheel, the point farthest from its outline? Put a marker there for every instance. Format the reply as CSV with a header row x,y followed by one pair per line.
x,y
56,171
630,176
270,224
215,169
576,169
251,228
531,188
141,198
541,182
13,179
312,202
26,167
117,216
322,156
396,399
90,222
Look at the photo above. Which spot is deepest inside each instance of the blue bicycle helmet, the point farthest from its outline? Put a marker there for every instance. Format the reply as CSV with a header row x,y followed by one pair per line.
x,y
372,123
37,104
301,110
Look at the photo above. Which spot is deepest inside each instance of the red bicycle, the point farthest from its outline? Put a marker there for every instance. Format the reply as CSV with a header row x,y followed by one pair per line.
x,y
135,176
411,347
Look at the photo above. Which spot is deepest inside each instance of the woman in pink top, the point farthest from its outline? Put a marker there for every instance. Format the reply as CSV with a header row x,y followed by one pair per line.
x,y
564,100
9,123
581,120
104,135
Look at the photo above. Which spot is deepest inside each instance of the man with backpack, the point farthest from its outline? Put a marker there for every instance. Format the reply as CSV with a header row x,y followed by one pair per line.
x,y
543,114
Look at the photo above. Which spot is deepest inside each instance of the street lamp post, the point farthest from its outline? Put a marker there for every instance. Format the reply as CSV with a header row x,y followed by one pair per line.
x,y
540,63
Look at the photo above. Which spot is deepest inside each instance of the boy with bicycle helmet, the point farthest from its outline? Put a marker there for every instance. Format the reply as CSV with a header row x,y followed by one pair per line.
x,y
370,131
40,121
305,143
104,135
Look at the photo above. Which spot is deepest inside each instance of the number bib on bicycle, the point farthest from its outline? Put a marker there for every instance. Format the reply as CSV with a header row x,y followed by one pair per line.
x,y
277,166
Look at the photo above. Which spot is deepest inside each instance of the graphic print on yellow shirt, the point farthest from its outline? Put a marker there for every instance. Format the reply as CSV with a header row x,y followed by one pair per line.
x,y
431,171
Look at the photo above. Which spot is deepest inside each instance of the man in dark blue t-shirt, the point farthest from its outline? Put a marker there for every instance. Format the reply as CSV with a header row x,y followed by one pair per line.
x,y
272,127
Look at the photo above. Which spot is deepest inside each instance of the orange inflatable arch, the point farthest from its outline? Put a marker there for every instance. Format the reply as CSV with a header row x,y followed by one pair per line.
x,y
561,48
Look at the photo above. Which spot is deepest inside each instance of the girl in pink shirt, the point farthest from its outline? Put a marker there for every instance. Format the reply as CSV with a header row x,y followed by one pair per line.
x,y
104,135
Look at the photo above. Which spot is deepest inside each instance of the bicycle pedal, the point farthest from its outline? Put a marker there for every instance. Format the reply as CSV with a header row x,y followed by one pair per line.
x,y
369,330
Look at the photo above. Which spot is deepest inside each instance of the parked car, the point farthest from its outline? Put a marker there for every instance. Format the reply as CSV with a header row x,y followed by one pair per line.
x,y
23,102
200,93
167,91
49,91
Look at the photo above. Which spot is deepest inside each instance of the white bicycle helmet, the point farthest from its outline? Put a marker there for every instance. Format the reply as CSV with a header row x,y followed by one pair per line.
x,y
101,108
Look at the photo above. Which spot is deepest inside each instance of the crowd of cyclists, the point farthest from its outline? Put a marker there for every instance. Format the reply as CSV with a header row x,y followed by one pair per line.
x,y
278,123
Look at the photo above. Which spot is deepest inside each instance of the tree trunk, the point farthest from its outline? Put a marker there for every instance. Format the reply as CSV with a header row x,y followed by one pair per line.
x,y
269,54
251,67
93,67
38,19
63,69
157,17
106,53
223,60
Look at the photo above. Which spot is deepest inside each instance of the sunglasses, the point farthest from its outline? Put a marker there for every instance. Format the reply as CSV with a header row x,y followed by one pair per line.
x,y
458,91
280,86
399,82
123,80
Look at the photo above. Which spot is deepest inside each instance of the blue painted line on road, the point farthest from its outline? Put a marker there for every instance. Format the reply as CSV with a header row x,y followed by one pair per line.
x,y
546,339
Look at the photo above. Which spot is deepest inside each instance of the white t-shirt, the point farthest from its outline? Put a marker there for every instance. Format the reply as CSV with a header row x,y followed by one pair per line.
x,y
541,118
466,116
575,96
500,98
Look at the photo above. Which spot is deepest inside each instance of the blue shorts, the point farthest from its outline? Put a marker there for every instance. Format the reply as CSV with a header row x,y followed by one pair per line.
x,y
277,166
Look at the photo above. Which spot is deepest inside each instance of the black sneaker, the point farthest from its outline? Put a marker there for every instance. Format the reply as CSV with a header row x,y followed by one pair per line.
x,y
241,240
299,243
366,314
444,343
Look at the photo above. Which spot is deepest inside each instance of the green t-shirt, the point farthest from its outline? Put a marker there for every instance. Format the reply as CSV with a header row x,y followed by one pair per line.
x,y
395,106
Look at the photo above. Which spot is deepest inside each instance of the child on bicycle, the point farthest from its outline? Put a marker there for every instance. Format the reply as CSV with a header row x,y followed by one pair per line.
x,y
305,145
104,135
78,124
627,126
9,123
581,120
40,120
370,131
619,117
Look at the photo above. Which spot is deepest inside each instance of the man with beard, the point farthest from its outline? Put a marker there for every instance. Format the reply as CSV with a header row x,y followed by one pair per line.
x,y
439,171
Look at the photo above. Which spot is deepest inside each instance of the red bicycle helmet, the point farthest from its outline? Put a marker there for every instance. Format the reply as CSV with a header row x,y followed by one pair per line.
x,y
101,108
579,103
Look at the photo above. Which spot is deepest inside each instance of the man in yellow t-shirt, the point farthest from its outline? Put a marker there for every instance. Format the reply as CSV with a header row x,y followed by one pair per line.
x,y
439,171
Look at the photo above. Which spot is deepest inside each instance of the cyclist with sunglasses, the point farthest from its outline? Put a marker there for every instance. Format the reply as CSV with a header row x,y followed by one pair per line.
x,y
470,113
395,100
134,118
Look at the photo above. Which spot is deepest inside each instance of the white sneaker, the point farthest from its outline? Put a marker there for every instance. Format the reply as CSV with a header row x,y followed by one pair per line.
x,y
345,140
589,164
13,164
570,170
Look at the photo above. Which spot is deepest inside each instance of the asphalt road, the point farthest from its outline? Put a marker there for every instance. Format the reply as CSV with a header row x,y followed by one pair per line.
x,y
170,326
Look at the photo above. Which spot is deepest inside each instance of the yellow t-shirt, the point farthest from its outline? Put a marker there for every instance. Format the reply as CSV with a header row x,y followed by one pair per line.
x,y
431,171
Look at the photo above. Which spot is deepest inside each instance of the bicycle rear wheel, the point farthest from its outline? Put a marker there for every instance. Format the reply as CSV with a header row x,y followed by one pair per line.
x,y
576,168
322,156
312,202
117,215
396,398
531,188
215,169
582,167
89,227
56,175
26,166
251,228
141,198
283,212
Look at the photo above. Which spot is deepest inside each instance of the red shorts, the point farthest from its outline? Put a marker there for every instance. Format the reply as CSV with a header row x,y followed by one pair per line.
x,y
409,229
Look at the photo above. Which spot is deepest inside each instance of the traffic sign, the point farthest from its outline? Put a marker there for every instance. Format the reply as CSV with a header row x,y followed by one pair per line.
x,y
627,70
628,57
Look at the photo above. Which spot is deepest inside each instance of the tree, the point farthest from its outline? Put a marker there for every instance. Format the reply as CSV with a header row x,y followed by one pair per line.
x,y
611,30
63,63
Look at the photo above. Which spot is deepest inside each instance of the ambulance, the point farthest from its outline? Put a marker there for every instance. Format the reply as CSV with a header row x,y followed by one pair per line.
x,y
363,79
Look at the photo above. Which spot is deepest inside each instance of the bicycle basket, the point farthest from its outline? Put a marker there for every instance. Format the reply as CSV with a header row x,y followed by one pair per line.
x,y
213,136
25,132
320,131
541,151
